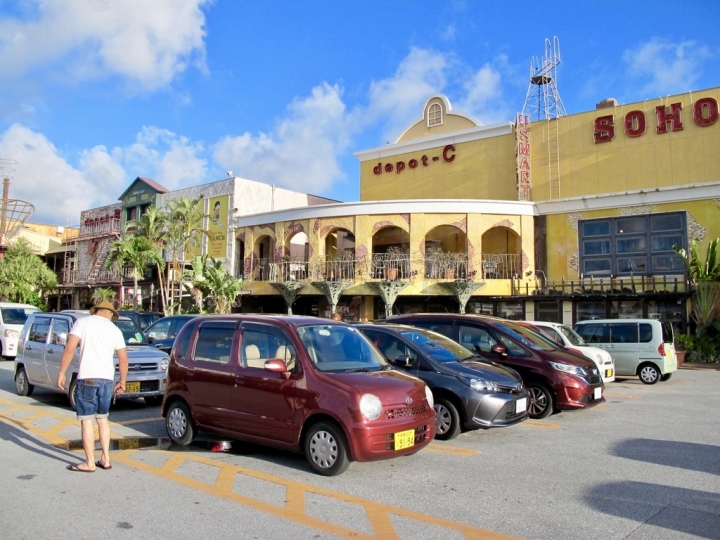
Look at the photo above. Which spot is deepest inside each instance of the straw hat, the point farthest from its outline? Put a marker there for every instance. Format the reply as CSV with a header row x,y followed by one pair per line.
x,y
108,306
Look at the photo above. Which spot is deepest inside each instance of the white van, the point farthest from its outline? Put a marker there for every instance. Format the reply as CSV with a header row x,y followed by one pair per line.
x,y
642,347
12,319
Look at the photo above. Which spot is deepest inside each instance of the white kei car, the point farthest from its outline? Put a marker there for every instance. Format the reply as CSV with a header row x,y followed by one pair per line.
x,y
566,337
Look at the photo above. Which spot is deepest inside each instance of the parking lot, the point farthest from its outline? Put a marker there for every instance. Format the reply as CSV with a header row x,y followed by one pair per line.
x,y
644,464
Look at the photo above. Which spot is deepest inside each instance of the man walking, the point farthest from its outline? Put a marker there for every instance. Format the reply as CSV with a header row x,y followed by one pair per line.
x,y
99,339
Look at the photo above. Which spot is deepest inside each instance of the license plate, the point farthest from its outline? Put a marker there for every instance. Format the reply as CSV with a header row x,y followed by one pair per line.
x,y
132,387
521,405
598,393
608,372
404,439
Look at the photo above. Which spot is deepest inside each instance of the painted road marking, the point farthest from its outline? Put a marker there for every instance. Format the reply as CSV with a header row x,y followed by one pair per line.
x,y
294,509
139,421
625,396
541,424
450,450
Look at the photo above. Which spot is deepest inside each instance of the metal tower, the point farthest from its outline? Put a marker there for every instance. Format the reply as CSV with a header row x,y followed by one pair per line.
x,y
13,212
543,99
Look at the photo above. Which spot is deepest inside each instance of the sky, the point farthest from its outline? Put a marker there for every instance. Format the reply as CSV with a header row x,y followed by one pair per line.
x,y
95,93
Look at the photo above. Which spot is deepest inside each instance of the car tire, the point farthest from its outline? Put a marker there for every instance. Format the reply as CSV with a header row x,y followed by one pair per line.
x,y
326,450
447,424
22,385
649,373
541,402
666,377
153,401
71,394
178,423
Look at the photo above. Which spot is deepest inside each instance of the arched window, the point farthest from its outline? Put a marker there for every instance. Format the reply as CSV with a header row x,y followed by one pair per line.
x,y
435,115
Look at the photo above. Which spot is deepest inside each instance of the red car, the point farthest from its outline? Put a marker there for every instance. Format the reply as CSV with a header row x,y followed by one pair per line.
x,y
555,379
298,383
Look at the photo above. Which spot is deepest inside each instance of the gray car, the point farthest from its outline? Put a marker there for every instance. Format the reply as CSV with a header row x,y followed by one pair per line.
x,y
40,348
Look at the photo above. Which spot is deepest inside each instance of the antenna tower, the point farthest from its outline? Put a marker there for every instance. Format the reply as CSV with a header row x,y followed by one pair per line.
x,y
543,99
13,212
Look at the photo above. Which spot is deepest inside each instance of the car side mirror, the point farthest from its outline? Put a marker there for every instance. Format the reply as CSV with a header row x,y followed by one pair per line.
x,y
402,361
277,365
498,349
150,338
62,338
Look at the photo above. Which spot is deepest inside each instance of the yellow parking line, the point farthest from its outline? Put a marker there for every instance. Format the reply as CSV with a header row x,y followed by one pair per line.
x,y
139,421
541,424
601,408
450,450
378,514
624,396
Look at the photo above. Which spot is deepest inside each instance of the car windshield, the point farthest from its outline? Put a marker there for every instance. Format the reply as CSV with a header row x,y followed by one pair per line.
x,y
573,336
16,315
338,348
131,333
437,346
528,337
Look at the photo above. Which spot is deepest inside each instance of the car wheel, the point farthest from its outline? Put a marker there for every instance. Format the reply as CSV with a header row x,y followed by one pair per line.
x,y
179,424
666,377
541,400
325,449
153,401
22,385
447,423
71,394
649,373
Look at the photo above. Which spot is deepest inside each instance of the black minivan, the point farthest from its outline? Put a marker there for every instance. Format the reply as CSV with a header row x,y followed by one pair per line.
x,y
469,392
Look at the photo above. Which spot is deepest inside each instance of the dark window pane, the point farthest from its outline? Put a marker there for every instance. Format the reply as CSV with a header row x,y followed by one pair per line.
x,y
668,263
666,243
635,265
214,345
596,266
645,333
631,245
624,333
596,228
666,222
596,247
630,225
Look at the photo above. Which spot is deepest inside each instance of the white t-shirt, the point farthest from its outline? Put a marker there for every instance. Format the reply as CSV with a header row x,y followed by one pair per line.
x,y
99,339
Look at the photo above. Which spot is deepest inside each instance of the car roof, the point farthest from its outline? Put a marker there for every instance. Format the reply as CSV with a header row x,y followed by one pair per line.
x,y
452,316
16,304
290,320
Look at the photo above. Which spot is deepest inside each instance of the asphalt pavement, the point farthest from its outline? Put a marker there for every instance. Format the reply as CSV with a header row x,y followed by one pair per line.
x,y
645,464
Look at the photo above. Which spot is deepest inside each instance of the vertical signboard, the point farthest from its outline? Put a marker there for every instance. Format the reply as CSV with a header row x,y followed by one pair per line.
x,y
522,158
218,227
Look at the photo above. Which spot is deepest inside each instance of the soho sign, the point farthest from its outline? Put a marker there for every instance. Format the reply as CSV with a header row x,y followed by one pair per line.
x,y
705,113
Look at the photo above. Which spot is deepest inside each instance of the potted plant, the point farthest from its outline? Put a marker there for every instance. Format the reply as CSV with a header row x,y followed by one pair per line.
x,y
684,345
394,254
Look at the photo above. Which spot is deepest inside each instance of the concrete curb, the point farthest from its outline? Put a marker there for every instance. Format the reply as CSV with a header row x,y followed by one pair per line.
x,y
692,365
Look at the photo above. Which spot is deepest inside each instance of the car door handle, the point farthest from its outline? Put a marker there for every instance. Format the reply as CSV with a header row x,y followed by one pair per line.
x,y
239,379
190,372
50,351
28,348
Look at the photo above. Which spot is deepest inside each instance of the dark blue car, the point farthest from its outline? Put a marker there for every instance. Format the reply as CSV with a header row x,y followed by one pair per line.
x,y
161,334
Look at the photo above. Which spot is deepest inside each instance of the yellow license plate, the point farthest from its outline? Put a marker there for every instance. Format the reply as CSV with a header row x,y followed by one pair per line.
x,y
404,439
608,372
132,387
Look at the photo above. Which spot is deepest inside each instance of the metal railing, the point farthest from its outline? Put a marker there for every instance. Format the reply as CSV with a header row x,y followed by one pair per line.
x,y
70,277
611,285
99,228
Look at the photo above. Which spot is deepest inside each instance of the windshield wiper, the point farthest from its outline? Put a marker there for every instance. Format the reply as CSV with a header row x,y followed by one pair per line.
x,y
359,370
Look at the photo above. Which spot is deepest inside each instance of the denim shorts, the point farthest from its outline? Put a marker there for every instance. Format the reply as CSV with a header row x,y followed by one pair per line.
x,y
92,398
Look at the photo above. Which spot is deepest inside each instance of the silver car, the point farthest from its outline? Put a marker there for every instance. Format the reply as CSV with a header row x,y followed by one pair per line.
x,y
40,348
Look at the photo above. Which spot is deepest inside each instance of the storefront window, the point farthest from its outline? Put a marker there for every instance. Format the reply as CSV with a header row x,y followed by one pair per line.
x,y
588,310
626,309
511,310
671,310
548,311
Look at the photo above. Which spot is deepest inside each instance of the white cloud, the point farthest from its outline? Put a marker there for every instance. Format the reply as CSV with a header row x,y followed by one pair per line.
x,y
484,94
668,67
148,43
301,152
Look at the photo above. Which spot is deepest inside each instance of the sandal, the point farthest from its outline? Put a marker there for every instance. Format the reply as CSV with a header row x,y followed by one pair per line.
x,y
104,467
76,468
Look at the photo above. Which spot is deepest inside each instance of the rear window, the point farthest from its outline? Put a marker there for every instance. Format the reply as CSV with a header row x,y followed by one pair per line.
x,y
16,315
667,332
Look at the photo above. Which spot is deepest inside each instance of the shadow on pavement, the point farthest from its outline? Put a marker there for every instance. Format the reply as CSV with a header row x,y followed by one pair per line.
x,y
684,455
21,438
688,511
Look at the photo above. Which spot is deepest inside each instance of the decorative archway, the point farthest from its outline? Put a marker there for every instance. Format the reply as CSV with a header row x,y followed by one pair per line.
x,y
501,253
446,253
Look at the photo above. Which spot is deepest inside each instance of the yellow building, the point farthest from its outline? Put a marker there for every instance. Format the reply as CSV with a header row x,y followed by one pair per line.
x,y
559,219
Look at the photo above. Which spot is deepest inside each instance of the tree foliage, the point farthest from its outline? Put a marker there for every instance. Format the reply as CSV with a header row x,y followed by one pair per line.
x,y
24,277
137,253
209,280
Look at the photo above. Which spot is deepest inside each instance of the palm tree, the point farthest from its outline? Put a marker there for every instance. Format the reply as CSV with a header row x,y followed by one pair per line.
x,y
209,279
103,294
152,225
136,252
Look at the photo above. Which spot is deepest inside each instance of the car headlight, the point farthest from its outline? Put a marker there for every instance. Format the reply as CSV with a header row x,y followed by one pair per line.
x,y
164,363
481,385
11,333
599,359
429,396
567,368
370,406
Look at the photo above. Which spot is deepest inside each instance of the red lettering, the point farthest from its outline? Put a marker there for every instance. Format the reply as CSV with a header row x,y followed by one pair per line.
x,y
663,117
705,112
424,161
524,135
377,169
522,120
635,123
399,166
412,163
388,167
524,177
523,149
604,129
446,151
524,164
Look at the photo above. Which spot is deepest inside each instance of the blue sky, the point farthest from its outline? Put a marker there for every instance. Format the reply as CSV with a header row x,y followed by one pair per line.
x,y
97,92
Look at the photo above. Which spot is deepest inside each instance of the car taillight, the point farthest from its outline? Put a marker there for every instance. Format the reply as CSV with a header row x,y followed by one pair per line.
x,y
661,349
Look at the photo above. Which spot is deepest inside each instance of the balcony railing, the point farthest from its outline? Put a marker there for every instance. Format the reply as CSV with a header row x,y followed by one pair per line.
x,y
385,266
71,277
99,228
626,285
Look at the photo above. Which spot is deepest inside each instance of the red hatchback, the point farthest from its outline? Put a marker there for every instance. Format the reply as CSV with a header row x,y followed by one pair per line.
x,y
297,383
555,379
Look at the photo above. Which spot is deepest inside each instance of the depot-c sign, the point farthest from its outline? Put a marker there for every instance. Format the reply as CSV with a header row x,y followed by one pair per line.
x,y
705,113
448,156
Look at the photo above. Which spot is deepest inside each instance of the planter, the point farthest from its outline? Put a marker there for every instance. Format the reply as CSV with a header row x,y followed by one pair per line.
x,y
391,273
449,273
680,357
